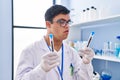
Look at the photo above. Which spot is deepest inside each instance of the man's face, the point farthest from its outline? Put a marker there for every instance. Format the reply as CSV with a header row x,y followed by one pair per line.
x,y
60,26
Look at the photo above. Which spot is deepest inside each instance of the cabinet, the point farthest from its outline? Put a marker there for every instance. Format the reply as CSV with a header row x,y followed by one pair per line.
x,y
110,22
105,29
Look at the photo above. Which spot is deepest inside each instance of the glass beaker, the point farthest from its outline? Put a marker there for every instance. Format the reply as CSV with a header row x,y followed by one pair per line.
x,y
106,74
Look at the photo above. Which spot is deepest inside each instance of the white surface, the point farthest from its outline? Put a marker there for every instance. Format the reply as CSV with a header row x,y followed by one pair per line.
x,y
114,59
98,22
22,39
30,12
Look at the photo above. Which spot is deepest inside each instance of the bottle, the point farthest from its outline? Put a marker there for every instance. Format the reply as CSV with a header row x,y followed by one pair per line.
x,y
87,14
93,13
107,50
72,15
96,16
117,47
82,16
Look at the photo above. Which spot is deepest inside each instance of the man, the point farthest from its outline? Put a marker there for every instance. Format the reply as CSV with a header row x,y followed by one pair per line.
x,y
38,62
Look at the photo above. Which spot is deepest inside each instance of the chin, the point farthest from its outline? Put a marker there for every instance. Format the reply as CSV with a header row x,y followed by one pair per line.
x,y
65,38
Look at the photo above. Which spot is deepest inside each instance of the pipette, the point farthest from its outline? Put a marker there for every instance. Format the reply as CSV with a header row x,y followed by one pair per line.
x,y
90,38
51,42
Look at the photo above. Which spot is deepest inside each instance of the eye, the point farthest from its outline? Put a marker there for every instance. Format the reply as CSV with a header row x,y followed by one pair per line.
x,y
62,21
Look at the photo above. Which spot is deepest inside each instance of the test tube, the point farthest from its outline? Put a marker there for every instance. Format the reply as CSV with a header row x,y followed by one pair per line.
x,y
90,38
51,42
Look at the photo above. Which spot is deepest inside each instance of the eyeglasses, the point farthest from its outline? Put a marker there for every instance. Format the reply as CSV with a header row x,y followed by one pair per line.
x,y
63,22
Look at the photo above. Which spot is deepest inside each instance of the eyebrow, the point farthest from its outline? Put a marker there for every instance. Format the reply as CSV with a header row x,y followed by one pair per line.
x,y
64,19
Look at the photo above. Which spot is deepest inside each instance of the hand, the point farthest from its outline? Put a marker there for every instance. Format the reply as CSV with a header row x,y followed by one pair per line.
x,y
87,54
49,61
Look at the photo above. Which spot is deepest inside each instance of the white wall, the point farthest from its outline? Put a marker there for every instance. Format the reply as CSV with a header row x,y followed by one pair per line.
x,y
5,40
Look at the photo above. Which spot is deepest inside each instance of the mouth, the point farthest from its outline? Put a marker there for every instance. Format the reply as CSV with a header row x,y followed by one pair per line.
x,y
66,31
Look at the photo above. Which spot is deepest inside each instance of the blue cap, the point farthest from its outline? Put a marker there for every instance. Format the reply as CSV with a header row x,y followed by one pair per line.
x,y
118,37
51,36
92,33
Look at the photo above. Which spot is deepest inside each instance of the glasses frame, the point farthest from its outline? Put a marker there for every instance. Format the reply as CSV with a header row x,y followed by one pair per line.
x,y
63,22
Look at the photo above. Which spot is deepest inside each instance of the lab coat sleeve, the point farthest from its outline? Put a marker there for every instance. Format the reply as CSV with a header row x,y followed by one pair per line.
x,y
85,72
82,71
26,69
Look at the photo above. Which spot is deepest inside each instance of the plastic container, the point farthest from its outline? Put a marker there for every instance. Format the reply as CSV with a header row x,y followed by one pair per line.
x,y
106,74
83,16
117,47
93,13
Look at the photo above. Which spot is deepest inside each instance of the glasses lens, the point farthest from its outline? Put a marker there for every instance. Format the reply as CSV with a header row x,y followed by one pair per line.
x,y
69,22
64,22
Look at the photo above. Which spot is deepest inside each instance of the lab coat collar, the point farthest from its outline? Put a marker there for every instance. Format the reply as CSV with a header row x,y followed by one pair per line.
x,y
44,45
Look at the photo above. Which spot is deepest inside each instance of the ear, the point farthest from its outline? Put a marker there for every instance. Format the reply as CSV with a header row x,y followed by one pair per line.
x,y
48,24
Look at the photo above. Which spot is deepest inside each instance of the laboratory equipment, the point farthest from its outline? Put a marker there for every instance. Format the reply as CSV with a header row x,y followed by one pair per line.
x,y
106,73
90,38
117,47
108,50
51,42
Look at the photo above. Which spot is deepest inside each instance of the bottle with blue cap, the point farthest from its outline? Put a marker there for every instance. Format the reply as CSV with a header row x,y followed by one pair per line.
x,y
117,47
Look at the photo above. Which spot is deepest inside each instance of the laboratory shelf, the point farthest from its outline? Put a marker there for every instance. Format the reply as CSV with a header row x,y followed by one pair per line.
x,y
110,19
114,59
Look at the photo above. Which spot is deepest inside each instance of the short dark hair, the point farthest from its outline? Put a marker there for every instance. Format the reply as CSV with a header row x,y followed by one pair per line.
x,y
54,11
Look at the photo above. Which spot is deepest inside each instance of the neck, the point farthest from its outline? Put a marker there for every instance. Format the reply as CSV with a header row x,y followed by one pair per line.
x,y
57,43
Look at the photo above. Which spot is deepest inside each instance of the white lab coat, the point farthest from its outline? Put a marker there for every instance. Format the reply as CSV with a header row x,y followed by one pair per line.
x,y
29,64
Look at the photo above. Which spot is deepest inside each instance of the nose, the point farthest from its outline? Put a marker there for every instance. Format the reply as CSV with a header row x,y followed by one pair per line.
x,y
67,25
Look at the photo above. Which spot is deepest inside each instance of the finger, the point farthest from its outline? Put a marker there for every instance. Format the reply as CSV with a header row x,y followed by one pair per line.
x,y
52,54
54,57
81,53
87,51
54,65
87,57
51,62
84,51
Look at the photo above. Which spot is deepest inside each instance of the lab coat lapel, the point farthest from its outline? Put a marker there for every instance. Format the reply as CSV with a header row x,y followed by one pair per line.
x,y
57,72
